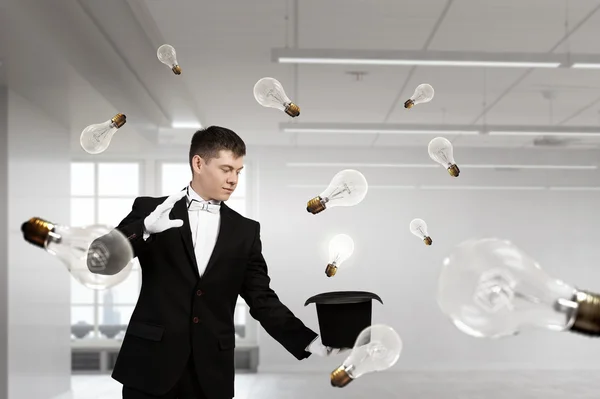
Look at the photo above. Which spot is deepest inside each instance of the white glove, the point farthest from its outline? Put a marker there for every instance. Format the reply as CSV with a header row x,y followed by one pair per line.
x,y
158,221
317,348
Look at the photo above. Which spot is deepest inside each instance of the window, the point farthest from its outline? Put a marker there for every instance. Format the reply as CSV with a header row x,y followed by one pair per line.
x,y
175,177
103,193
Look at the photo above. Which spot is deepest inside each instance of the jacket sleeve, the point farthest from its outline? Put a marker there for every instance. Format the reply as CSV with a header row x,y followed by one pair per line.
x,y
132,226
265,306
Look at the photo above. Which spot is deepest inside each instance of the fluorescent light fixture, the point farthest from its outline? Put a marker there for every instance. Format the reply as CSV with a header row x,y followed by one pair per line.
x,y
542,133
417,62
376,131
582,65
416,57
375,187
521,188
186,125
564,188
433,165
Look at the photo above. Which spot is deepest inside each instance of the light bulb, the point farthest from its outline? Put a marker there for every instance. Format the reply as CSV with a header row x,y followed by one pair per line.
x,y
419,228
167,55
423,94
341,248
490,288
376,348
97,256
347,188
441,151
96,138
269,93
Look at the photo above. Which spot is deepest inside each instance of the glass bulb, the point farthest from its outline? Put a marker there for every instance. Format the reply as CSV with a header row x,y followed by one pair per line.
x,y
341,248
490,288
376,348
269,93
167,55
347,188
441,151
419,228
98,256
423,94
96,138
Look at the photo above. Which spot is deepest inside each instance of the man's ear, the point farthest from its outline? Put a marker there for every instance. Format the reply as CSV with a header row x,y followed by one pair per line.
x,y
197,163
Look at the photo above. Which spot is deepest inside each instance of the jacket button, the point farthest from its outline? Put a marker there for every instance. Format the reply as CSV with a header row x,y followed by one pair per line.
x,y
196,320
199,292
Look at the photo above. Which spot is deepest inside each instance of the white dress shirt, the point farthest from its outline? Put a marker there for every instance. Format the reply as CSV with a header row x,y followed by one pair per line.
x,y
205,229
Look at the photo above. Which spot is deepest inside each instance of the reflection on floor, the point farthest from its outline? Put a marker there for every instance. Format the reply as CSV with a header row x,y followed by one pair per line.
x,y
431,385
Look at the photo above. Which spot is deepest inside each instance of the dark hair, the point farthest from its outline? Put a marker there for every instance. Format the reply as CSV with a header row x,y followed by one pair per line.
x,y
209,141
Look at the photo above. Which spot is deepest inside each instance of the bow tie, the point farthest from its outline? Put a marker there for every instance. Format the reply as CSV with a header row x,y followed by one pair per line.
x,y
196,205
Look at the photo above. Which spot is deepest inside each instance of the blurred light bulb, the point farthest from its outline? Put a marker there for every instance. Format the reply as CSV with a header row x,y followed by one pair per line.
x,y
377,348
347,188
441,151
97,256
490,288
419,228
167,55
341,248
96,138
423,94
269,93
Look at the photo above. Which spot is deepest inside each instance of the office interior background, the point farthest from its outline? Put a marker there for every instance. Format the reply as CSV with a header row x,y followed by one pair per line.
x,y
66,64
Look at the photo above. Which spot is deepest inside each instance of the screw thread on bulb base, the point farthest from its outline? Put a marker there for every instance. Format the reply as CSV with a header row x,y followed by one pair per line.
x,y
330,270
427,240
587,318
409,104
453,170
315,205
292,110
176,70
119,120
339,377
36,231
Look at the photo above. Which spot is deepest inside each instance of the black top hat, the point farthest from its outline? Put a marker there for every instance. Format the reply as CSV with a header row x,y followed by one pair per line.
x,y
342,316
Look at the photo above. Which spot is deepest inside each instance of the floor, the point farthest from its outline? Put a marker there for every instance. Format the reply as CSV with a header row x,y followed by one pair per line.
x,y
447,385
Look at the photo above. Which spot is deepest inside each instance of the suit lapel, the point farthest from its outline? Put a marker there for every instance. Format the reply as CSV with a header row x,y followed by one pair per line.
x,y
226,230
180,212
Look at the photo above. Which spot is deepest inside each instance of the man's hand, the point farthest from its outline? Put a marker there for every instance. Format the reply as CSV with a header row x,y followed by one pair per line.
x,y
158,221
317,348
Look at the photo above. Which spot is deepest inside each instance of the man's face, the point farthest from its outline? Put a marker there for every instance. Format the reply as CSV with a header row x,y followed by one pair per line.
x,y
219,177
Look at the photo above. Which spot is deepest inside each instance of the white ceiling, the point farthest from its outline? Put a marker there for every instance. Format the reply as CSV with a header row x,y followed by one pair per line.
x,y
225,46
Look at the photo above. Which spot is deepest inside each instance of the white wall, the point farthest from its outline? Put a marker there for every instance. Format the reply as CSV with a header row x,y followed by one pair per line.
x,y
39,356
558,228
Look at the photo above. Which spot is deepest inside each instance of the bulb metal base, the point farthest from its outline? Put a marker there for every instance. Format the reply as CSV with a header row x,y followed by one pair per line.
x,y
37,231
587,317
339,377
453,170
330,270
119,120
409,104
176,70
292,110
427,240
315,205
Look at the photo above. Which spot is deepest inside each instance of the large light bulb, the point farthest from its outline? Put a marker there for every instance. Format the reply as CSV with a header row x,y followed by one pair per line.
x,y
419,228
269,93
347,188
490,288
167,55
97,256
377,348
423,94
341,248
96,138
441,151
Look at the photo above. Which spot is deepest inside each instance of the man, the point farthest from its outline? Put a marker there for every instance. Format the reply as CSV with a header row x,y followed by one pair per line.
x,y
197,255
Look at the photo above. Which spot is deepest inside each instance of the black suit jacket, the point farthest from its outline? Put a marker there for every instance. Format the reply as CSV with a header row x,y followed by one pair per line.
x,y
179,314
